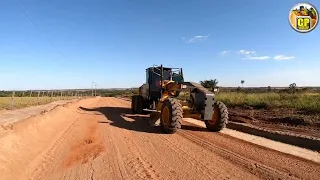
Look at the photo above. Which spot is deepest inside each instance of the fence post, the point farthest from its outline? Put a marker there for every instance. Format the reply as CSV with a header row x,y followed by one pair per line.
x,y
38,97
61,95
12,100
51,95
48,96
30,93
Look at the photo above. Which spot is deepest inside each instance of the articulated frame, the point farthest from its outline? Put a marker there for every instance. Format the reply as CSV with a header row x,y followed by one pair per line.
x,y
206,100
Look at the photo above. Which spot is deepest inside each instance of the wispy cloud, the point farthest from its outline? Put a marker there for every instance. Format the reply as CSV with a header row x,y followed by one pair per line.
x,y
250,54
246,52
253,55
222,53
283,57
257,57
195,39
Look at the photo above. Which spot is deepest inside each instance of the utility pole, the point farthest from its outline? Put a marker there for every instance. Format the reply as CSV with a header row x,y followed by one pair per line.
x,y
95,89
92,88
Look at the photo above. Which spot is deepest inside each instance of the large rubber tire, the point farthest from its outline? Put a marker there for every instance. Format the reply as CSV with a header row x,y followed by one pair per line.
x,y
220,119
140,104
171,115
137,104
133,104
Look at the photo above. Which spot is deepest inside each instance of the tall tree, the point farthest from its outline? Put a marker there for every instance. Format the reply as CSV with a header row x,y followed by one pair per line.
x,y
209,84
269,88
242,82
293,87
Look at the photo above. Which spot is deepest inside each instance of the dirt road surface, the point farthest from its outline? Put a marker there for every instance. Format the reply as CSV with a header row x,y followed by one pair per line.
x,y
99,139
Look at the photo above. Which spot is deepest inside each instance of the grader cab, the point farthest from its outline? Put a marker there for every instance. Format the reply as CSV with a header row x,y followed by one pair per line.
x,y
159,96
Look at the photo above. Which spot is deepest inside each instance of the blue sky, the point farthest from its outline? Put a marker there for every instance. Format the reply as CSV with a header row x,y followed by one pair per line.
x,y
72,43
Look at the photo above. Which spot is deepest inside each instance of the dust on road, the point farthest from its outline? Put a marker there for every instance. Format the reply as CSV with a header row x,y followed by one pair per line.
x,y
99,139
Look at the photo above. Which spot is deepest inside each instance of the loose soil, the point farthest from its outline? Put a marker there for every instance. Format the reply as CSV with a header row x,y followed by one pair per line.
x,y
287,120
99,138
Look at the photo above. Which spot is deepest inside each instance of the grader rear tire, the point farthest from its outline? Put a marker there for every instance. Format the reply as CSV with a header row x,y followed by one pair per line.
x,y
171,115
133,104
140,104
137,104
219,118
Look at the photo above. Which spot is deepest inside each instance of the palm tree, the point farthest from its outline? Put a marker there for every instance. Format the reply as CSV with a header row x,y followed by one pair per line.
x,y
293,87
242,82
209,84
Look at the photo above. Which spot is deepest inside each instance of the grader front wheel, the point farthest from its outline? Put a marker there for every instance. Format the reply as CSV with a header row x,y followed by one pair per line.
x,y
171,115
219,117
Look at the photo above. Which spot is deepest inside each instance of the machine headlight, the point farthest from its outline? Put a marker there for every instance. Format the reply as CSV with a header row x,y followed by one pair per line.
x,y
183,86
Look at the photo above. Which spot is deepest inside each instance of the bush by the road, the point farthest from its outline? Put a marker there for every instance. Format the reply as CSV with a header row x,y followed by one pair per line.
x,y
300,101
308,102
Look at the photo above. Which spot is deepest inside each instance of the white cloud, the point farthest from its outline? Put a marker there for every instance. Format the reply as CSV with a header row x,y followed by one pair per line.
x,y
224,52
256,57
251,55
283,57
246,52
196,39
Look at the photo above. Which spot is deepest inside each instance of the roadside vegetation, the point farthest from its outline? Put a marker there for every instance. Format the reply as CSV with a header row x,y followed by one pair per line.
x,y
10,100
22,102
301,101
306,102
264,98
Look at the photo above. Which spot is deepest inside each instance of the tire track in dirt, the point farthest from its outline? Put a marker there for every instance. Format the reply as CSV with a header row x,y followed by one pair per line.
x,y
283,162
191,160
174,157
290,168
204,163
139,166
128,152
256,168
119,161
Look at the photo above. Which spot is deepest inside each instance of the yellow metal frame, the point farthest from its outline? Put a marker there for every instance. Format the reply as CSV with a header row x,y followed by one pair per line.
x,y
170,89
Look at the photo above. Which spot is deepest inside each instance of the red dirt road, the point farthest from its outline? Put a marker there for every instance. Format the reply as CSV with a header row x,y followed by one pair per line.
x,y
99,139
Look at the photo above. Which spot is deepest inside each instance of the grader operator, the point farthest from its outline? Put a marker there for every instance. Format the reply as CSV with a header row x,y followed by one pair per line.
x,y
159,96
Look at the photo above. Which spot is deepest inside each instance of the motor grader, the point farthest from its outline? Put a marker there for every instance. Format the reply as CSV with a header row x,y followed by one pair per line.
x,y
159,97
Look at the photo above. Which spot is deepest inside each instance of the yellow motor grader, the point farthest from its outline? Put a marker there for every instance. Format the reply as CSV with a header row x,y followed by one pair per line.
x,y
159,96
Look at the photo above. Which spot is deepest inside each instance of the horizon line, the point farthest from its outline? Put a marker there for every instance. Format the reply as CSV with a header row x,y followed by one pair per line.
x,y
87,89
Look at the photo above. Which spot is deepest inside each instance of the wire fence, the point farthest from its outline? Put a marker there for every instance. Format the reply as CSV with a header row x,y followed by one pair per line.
x,y
16,100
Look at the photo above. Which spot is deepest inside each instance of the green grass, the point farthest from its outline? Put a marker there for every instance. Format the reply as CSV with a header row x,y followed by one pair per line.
x,y
22,102
308,102
300,101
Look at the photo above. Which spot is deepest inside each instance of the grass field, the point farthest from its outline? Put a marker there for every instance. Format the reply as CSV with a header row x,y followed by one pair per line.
x,y
304,101
307,102
300,101
22,102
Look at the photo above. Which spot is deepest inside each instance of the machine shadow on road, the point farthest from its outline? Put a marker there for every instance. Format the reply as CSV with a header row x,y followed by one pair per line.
x,y
140,123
